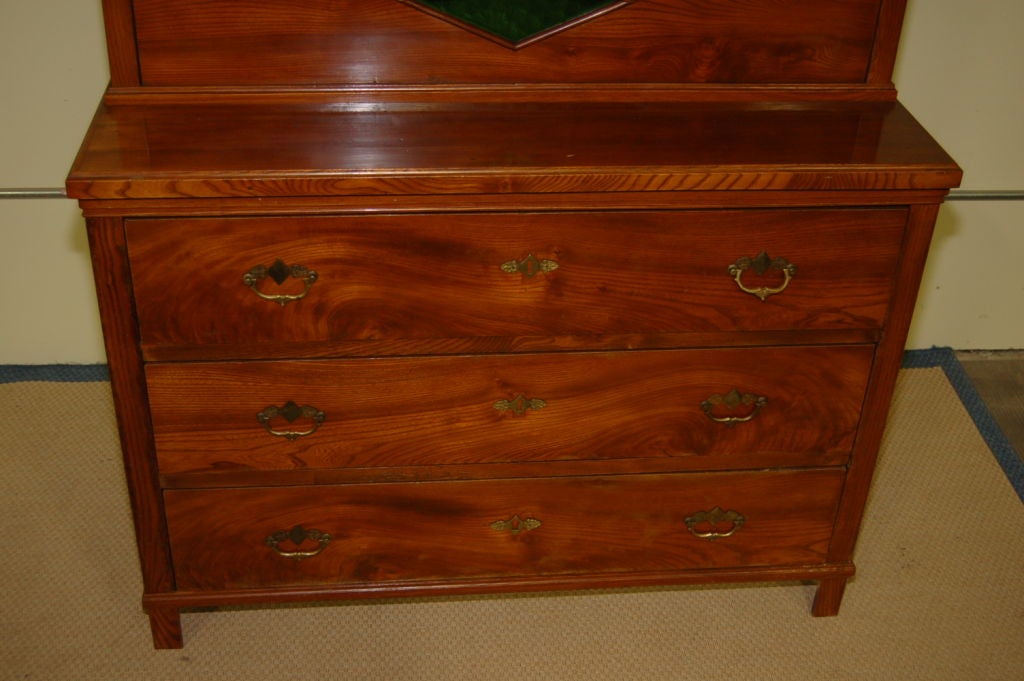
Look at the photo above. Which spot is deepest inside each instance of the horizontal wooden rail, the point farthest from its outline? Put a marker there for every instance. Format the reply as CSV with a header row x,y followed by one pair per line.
x,y
955,195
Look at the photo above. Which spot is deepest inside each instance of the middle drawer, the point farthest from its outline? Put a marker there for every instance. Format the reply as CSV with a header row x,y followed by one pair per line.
x,y
715,408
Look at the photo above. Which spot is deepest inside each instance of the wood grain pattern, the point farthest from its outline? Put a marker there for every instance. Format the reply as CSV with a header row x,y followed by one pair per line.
x,y
828,597
190,598
253,477
883,381
429,531
165,625
434,411
354,97
237,42
406,160
883,58
122,48
309,150
120,334
435,277
343,205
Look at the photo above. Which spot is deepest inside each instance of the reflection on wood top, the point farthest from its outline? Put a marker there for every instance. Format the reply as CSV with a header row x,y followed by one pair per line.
x,y
220,150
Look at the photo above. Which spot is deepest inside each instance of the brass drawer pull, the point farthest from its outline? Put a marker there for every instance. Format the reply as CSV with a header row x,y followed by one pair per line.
x,y
731,400
519,405
530,266
515,525
761,264
297,536
711,519
280,272
291,412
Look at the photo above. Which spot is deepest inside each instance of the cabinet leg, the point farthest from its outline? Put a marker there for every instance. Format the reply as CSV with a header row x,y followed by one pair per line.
x,y
165,624
828,597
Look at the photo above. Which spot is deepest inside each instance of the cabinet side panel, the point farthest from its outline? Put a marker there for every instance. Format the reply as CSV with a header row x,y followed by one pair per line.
x,y
113,288
888,359
887,38
122,49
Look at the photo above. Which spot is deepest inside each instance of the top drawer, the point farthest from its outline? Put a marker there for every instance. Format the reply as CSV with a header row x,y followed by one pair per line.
x,y
266,286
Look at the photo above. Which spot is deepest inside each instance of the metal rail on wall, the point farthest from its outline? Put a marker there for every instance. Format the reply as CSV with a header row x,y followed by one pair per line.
x,y
33,193
986,195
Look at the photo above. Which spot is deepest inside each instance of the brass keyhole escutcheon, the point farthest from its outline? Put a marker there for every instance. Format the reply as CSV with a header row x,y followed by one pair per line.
x,y
530,266
515,525
519,405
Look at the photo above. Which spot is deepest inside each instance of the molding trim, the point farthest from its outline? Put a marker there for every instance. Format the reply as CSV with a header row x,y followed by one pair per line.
x,y
955,195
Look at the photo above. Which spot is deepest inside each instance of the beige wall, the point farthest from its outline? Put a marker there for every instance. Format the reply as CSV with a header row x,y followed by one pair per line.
x,y
52,73
959,72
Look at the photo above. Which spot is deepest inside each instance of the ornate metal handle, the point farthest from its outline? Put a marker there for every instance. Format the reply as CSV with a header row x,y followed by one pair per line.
x,y
297,536
711,519
280,272
291,412
530,266
761,264
515,525
519,405
732,400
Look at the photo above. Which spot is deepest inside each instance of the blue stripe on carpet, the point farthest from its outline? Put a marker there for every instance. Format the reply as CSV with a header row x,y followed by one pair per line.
x,y
61,373
1004,452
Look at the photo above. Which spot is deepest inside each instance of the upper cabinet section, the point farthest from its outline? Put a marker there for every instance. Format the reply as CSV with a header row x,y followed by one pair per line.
x,y
459,43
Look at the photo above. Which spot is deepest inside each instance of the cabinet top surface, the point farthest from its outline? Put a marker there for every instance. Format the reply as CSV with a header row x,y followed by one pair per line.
x,y
313,150
312,98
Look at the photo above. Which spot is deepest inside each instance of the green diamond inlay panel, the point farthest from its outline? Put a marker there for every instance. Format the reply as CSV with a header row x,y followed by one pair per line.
x,y
516,20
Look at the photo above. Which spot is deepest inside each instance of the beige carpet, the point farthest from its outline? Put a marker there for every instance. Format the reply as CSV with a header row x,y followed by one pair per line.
x,y
939,593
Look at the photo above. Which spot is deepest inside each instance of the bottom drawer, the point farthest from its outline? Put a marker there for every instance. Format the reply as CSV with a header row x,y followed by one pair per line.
x,y
378,533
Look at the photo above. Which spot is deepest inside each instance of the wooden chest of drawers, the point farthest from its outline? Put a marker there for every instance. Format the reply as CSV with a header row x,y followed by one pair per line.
x,y
620,304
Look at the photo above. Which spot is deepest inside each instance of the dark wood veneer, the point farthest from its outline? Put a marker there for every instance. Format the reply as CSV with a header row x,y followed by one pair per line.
x,y
406,160
244,42
615,524
120,333
618,273
247,150
439,410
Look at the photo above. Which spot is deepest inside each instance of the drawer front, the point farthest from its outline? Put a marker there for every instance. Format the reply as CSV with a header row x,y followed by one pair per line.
x,y
248,281
379,533
710,408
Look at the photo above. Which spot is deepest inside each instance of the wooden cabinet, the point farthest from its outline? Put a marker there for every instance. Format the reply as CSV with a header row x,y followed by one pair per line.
x,y
398,301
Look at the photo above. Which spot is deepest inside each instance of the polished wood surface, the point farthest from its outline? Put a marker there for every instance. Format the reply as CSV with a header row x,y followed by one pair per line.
x,y
443,530
191,598
888,361
440,276
122,47
438,410
407,161
238,42
127,382
312,150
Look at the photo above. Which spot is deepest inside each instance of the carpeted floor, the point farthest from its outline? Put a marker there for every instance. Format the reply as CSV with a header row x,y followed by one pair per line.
x,y
939,592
